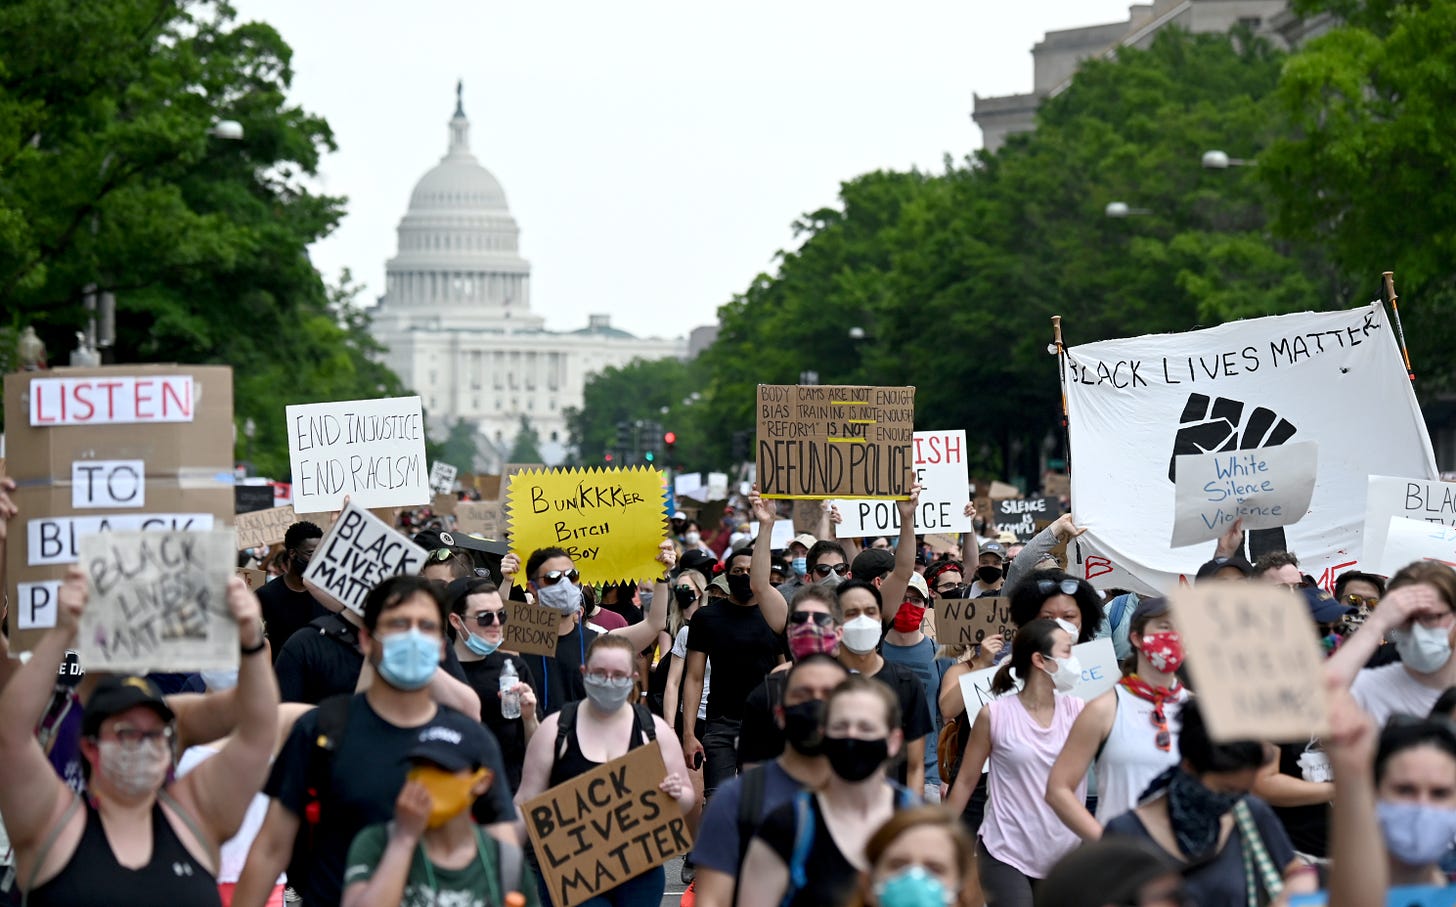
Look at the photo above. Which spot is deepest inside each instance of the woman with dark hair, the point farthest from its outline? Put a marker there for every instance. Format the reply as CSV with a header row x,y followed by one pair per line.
x,y
1056,595
1021,837
1201,813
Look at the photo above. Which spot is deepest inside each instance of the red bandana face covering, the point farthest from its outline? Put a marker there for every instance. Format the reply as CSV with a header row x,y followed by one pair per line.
x,y
1164,651
809,638
908,618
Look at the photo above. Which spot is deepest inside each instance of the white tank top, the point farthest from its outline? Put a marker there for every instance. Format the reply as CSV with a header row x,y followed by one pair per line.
x,y
1130,758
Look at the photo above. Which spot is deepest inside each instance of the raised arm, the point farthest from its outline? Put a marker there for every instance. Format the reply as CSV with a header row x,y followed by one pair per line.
x,y
771,602
1397,609
1070,769
970,547
1360,872
892,590
1064,528
644,633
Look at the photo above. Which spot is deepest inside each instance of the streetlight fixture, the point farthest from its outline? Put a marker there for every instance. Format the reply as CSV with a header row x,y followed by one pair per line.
x,y
1119,210
856,333
1219,160
227,130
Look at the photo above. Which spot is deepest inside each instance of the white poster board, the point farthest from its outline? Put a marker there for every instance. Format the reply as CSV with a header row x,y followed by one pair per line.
x,y
372,451
442,477
359,551
939,459
1416,499
1408,540
781,535
1265,488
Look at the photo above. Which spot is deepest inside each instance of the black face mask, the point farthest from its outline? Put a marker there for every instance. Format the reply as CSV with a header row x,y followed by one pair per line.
x,y
740,586
686,595
957,592
300,563
804,727
988,575
852,759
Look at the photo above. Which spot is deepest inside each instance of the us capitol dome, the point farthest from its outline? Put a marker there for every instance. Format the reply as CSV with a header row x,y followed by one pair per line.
x,y
456,321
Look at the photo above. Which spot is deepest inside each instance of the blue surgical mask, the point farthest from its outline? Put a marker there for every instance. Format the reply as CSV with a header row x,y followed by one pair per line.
x,y
565,596
914,887
800,565
1416,834
480,645
408,660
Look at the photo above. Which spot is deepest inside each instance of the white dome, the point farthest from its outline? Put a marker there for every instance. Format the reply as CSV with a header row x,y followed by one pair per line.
x,y
458,183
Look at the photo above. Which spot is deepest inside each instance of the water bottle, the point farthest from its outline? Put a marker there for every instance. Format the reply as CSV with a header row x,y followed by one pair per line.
x,y
509,698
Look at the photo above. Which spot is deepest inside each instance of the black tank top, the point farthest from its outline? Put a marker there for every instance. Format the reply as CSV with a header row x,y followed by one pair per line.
x,y
93,876
572,762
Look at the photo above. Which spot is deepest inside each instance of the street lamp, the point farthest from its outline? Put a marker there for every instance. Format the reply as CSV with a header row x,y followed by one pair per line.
x,y
227,130
1119,210
1219,160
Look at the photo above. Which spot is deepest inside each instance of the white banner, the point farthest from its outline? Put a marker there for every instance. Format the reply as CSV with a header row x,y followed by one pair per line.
x,y
1415,499
1137,404
1265,489
372,451
940,465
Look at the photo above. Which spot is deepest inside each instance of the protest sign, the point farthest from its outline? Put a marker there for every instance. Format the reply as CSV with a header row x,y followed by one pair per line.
x,y
690,485
939,460
606,826
717,486
1056,485
1417,499
254,577
1025,517
1137,404
1265,488
967,621
835,441
1255,659
442,477
807,515
1401,896
359,551
158,601
511,469
531,629
480,517
371,451
101,449
443,504
609,521
779,536
248,498
1407,541
263,527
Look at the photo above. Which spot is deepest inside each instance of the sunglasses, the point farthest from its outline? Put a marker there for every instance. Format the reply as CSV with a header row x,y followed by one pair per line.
x,y
1164,738
1361,601
439,554
826,569
552,577
1052,586
819,617
486,618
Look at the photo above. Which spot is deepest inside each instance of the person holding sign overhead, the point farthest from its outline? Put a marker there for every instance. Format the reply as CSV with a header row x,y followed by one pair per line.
x,y
138,837
583,736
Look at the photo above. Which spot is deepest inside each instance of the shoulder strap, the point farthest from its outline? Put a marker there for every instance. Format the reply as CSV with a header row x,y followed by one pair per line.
x,y
333,720
212,847
803,843
644,718
1258,866
750,803
565,725
1119,607
50,841
509,857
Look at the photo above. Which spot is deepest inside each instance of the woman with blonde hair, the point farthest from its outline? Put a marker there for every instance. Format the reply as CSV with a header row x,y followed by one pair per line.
x,y
921,856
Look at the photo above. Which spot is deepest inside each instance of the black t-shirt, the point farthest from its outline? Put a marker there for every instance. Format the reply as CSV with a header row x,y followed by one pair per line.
x,y
368,770
323,659
829,878
742,648
1308,826
285,612
484,677
560,677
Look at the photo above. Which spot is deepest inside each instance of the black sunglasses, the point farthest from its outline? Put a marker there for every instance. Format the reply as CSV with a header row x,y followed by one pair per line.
x,y
1050,586
440,554
553,577
486,618
826,569
818,617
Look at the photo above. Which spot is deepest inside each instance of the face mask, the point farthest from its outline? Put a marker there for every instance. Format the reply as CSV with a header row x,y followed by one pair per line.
x,y
914,887
740,587
409,659
988,575
1424,650
1195,811
908,618
450,792
804,727
809,638
831,581
691,538
862,634
134,770
800,566
1068,672
1415,834
854,760
300,564
482,646
565,596
686,595
1164,650
607,695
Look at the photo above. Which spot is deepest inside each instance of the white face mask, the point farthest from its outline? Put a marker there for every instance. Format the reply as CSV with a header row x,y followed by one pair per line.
x,y
862,634
1068,671
134,770
1423,649
691,538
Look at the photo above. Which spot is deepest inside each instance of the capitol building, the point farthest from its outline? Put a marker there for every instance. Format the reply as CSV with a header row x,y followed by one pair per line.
x,y
456,321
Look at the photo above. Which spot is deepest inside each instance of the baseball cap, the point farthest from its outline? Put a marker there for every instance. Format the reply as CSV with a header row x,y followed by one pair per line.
x,y
1323,607
1109,871
872,563
917,582
679,515
699,560
1218,563
805,539
995,548
455,746
115,694
720,582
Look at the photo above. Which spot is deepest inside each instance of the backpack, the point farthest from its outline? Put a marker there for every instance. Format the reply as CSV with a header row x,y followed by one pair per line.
x,y
804,835
333,721
566,723
948,749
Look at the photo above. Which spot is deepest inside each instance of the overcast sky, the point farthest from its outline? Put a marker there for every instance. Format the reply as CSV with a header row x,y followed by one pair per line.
x,y
654,154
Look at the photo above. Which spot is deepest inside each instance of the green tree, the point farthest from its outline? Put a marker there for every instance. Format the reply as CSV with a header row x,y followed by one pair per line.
x,y
658,390
460,447
527,446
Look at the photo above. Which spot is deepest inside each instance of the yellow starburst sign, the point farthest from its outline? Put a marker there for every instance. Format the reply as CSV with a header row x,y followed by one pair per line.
x,y
609,520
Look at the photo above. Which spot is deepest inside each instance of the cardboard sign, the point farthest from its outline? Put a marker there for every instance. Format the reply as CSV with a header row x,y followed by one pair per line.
x,y
510,469
1025,516
158,601
940,466
1407,541
359,551
610,521
604,827
254,577
835,441
1056,485
531,629
781,534
1416,499
717,486
119,448
690,485
485,518
263,527
442,477
443,504
248,498
1265,488
1255,659
967,621
373,451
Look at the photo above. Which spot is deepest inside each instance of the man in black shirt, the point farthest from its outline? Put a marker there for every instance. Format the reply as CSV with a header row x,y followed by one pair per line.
x,y
321,797
740,635
287,605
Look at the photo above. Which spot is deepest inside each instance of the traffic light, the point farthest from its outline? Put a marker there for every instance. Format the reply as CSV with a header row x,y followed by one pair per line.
x,y
670,438
608,457
649,455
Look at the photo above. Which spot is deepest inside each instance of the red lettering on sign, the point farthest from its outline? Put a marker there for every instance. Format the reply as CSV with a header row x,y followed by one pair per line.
x,y
1101,565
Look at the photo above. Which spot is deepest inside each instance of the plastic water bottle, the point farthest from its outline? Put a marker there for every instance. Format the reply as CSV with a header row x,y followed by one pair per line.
x,y
509,698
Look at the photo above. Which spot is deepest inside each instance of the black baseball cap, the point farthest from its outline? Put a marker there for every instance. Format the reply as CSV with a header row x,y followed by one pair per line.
x,y
116,693
872,563
699,560
455,746
1218,563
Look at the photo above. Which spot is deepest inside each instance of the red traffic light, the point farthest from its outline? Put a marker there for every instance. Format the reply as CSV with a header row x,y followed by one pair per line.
x,y
608,458
670,437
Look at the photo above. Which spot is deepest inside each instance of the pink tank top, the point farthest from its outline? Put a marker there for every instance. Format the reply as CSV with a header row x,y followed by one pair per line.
x,y
1020,829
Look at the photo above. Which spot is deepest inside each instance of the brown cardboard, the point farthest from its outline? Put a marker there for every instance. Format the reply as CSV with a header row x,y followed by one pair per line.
x,y
807,516
253,577
531,629
1256,661
1056,484
509,470
599,829
443,504
835,441
485,518
264,527
967,621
